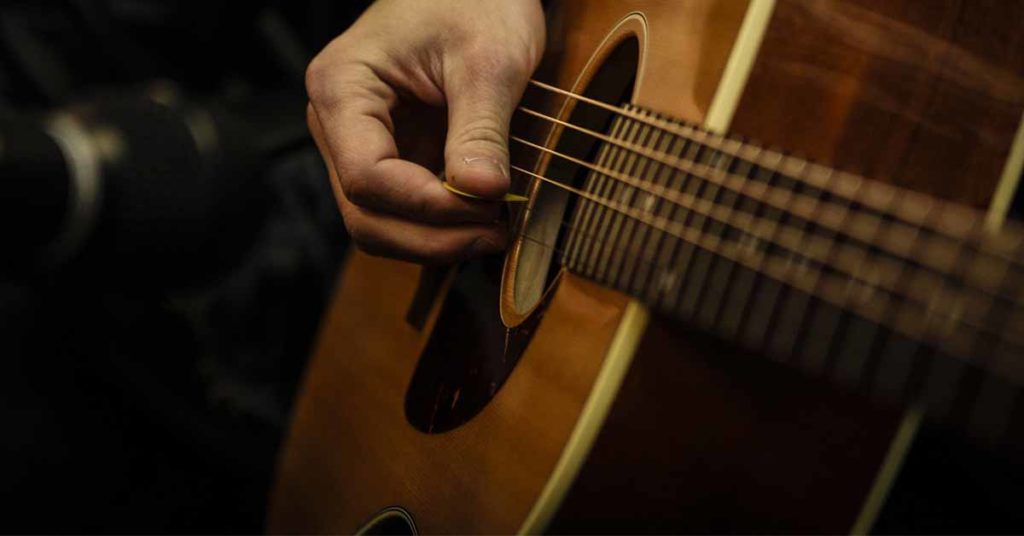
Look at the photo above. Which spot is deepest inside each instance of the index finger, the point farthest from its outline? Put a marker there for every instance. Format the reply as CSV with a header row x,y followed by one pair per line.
x,y
356,123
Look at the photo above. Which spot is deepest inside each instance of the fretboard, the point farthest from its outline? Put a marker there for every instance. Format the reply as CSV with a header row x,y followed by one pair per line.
x,y
878,288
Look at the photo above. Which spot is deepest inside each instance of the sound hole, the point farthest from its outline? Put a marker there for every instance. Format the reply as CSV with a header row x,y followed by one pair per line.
x,y
547,226
470,352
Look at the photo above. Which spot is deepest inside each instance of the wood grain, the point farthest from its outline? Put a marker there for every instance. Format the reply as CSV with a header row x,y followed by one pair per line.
x,y
926,95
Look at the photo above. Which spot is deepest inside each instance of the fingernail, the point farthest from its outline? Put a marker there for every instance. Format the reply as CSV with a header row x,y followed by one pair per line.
x,y
486,162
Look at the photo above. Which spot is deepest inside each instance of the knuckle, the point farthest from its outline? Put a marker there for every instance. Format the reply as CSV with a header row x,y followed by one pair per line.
x,y
317,73
327,75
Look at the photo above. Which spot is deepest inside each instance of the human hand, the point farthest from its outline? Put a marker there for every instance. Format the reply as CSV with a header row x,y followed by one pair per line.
x,y
380,95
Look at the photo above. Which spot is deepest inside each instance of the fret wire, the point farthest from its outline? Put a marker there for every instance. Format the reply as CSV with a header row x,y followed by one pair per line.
x,y
906,213
710,193
842,320
651,239
595,211
890,314
625,228
638,233
796,301
705,192
643,234
691,188
883,303
585,208
890,308
604,249
1002,310
590,209
980,346
668,280
723,275
607,186
756,209
957,276
772,195
772,266
771,225
683,255
800,298
617,225
834,354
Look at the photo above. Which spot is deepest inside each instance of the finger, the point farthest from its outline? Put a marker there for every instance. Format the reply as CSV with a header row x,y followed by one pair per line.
x,y
355,127
382,234
389,236
481,97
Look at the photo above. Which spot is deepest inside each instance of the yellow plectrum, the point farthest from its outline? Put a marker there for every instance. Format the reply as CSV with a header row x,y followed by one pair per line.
x,y
511,198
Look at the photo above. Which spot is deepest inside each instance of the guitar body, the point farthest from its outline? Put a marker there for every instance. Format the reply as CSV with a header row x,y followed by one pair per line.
x,y
604,416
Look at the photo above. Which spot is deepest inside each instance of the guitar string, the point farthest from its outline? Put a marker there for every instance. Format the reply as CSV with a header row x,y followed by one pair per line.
x,y
915,331
683,131
808,208
826,287
857,264
790,238
857,190
795,238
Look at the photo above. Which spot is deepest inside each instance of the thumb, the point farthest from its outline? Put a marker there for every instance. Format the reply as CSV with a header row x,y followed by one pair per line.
x,y
476,151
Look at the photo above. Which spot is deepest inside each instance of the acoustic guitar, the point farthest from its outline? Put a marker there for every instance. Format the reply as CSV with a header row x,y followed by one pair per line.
x,y
764,242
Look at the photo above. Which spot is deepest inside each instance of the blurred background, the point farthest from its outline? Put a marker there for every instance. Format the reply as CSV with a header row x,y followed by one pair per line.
x,y
169,241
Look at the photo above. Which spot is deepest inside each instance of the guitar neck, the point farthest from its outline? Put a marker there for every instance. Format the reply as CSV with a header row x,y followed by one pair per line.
x,y
878,287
